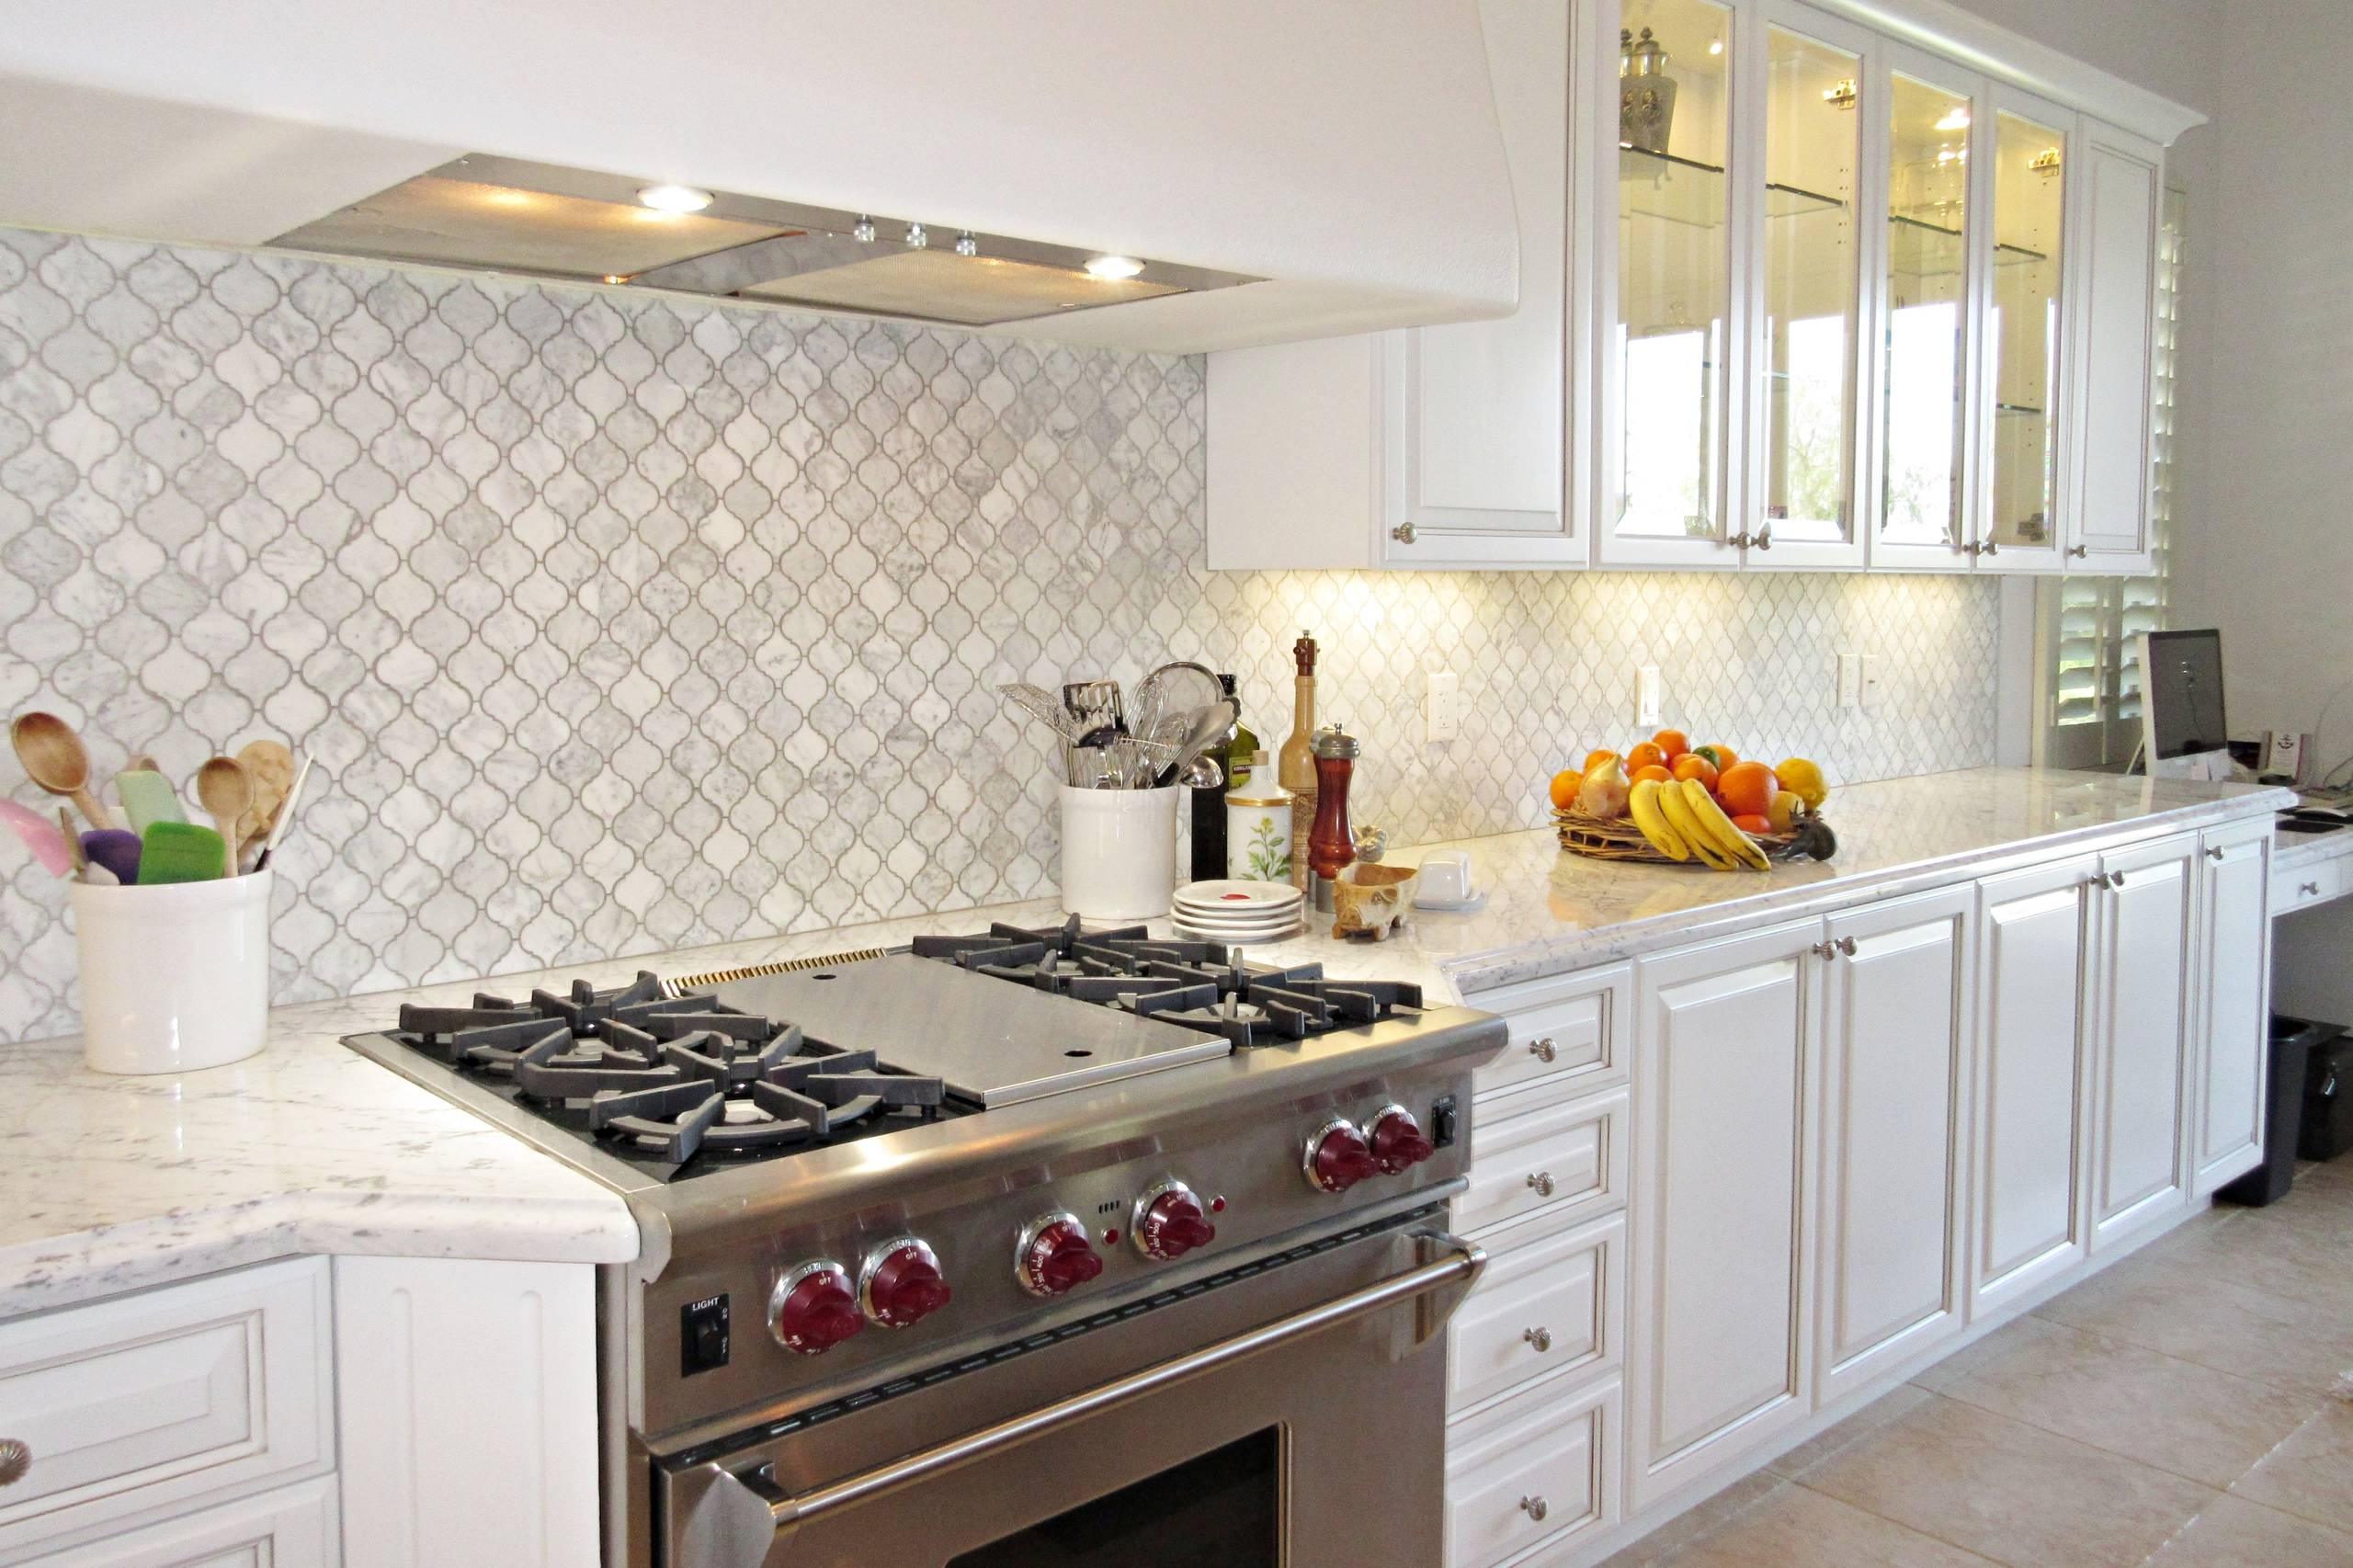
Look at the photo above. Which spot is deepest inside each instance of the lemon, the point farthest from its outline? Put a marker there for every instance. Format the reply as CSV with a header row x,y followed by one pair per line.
x,y
1782,812
1803,778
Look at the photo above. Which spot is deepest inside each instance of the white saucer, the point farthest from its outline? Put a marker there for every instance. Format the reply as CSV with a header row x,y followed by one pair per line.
x,y
1240,939
1239,928
1228,896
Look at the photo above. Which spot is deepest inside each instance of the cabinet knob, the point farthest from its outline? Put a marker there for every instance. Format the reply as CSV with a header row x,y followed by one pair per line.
x,y
1765,537
2079,551
1541,1184
2310,889
15,1457
2115,879
1993,546
1539,1339
1826,949
2213,852
1740,540
1404,533
1846,946
1536,1508
1543,1050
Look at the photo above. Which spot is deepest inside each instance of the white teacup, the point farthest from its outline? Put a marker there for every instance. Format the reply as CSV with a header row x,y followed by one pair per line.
x,y
1446,878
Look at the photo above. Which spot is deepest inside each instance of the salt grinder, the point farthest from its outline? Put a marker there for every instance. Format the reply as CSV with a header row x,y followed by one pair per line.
x,y
1330,846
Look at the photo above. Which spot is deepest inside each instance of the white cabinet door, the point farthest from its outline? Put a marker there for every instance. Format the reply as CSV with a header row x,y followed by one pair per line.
x,y
1471,418
2232,992
2120,187
2143,1019
1894,1063
2033,941
1718,1203
294,1528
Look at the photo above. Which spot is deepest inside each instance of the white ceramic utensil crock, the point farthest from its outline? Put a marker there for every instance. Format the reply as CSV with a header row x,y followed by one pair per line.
x,y
1118,852
174,977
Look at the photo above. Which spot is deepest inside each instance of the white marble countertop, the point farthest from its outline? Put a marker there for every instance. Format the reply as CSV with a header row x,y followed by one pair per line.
x,y
2296,851
113,1184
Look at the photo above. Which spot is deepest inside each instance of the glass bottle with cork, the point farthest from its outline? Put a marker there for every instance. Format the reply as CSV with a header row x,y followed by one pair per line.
x,y
1295,767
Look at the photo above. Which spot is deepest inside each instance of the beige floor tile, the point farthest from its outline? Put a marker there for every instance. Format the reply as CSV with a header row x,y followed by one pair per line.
x,y
2192,1420
2010,1491
2003,1341
2311,1474
1869,1418
2280,1256
2199,1316
1798,1527
1661,1545
2234,1534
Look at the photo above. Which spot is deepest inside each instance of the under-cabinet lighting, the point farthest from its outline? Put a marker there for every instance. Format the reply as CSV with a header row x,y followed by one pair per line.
x,y
675,197
1111,269
1958,119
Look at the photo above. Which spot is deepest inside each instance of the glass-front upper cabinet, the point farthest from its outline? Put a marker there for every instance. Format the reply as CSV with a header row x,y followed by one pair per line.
x,y
2024,335
1921,422
1799,507
1666,301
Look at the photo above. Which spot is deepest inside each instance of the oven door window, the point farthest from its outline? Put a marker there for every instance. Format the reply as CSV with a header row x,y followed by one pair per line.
x,y
1217,1511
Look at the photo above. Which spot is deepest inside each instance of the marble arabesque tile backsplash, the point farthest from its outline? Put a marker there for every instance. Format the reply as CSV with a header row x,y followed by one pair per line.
x,y
618,623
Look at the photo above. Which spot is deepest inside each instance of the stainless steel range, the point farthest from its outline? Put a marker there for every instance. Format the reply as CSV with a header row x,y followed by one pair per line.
x,y
1024,1247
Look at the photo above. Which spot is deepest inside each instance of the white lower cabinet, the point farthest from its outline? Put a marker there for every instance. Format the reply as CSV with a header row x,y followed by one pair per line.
x,y
2231,1059
2145,1004
1897,1012
2033,943
1532,1471
1847,1141
293,1529
1718,1253
150,1404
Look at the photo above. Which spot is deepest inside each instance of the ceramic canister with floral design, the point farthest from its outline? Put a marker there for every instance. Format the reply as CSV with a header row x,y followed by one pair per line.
x,y
1257,826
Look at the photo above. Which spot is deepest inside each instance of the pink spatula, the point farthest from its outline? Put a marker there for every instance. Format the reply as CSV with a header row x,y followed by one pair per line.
x,y
41,835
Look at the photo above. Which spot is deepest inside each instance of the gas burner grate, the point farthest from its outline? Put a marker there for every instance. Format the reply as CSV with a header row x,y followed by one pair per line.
x,y
668,1078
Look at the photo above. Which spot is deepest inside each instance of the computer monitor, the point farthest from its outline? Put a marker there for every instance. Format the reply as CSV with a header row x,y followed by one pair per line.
x,y
2184,731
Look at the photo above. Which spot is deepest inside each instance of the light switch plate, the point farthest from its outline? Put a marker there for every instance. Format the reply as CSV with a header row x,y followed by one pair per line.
x,y
1646,695
1869,694
1439,720
1851,680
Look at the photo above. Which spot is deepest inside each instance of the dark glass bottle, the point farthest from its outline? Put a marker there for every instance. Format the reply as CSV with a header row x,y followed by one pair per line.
x,y
1209,805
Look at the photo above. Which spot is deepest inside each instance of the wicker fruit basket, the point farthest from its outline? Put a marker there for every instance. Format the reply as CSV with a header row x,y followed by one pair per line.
x,y
1619,839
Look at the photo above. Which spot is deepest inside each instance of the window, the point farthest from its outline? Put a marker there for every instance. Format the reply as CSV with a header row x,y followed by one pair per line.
x,y
2090,689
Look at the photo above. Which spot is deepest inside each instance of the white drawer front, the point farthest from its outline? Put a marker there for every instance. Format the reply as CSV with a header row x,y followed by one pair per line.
x,y
290,1528
160,1399
1572,1154
1546,1303
1545,1473
2293,889
1567,1031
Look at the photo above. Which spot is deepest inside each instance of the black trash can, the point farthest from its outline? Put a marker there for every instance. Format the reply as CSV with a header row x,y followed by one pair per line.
x,y
2295,1043
2328,1100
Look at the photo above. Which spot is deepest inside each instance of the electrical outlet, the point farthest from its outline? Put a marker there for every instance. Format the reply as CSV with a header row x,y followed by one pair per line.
x,y
1869,694
1646,695
1439,721
1851,680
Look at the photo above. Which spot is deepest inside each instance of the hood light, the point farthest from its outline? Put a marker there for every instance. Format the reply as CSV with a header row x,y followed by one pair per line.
x,y
674,198
864,232
1111,269
917,237
966,245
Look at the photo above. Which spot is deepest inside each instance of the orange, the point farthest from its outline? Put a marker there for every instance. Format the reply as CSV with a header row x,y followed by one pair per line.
x,y
1656,770
1691,765
1594,759
1646,755
1750,822
1747,788
1724,757
1674,743
1565,787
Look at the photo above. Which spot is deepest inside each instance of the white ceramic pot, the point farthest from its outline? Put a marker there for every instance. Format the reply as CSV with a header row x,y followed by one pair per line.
x,y
175,978
1118,852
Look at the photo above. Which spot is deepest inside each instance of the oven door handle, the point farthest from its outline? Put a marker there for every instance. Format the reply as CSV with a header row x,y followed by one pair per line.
x,y
733,1519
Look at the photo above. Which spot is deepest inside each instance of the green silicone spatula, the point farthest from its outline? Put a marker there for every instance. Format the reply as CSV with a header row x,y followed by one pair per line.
x,y
147,799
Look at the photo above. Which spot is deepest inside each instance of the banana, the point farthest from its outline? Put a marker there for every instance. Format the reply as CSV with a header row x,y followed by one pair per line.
x,y
1686,827
1736,845
1643,803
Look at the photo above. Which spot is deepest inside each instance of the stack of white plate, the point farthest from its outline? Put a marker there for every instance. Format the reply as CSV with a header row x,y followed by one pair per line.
x,y
1239,914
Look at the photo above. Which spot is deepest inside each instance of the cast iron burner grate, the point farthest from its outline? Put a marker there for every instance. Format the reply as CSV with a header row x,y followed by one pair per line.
x,y
1202,985
667,1079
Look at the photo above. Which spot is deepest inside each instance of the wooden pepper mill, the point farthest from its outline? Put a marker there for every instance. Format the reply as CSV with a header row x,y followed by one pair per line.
x,y
1295,764
1330,846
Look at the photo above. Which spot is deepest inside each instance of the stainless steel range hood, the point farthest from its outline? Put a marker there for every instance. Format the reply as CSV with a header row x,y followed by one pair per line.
x,y
509,215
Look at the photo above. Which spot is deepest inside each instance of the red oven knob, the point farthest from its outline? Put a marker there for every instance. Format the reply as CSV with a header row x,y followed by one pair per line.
x,y
815,1308
1398,1140
1170,1221
1056,1255
1337,1157
901,1283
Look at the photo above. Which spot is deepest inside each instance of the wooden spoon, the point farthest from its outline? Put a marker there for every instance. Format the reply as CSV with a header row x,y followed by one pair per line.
x,y
55,759
226,791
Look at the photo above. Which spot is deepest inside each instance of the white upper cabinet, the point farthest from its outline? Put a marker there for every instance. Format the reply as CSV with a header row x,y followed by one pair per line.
x,y
1796,293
